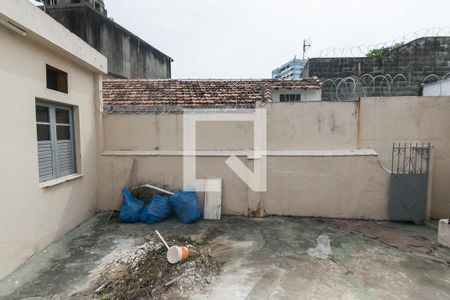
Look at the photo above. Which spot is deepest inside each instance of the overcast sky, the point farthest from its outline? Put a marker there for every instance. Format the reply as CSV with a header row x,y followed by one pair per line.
x,y
248,38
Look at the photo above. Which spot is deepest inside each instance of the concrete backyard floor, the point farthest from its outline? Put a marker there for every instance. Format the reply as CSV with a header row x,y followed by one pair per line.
x,y
267,259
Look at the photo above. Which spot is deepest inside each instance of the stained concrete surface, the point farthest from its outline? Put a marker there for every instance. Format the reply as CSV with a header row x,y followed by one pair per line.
x,y
264,259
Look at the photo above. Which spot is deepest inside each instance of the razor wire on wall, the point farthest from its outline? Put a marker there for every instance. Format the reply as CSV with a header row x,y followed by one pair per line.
x,y
350,88
363,50
353,87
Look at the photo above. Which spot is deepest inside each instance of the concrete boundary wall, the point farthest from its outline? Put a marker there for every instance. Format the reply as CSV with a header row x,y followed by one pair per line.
x,y
297,185
324,159
384,121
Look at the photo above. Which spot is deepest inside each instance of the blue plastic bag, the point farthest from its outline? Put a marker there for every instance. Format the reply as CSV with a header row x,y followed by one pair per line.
x,y
131,208
156,210
186,206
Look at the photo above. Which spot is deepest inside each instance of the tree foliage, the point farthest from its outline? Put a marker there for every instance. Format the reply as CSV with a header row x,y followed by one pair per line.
x,y
383,50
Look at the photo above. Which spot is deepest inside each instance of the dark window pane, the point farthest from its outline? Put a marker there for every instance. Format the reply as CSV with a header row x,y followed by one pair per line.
x,y
63,132
292,97
42,114
282,97
298,97
56,80
43,132
62,116
52,79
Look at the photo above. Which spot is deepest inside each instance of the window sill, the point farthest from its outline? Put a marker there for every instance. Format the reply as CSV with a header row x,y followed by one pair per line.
x,y
61,180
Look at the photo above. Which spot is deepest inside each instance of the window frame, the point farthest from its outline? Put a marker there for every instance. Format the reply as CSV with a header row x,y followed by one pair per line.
x,y
286,98
62,79
52,107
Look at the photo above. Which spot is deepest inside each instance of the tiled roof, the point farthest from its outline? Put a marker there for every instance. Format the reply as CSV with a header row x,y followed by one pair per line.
x,y
196,93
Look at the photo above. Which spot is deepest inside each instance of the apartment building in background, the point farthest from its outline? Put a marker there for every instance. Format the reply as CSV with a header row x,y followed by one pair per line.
x,y
290,70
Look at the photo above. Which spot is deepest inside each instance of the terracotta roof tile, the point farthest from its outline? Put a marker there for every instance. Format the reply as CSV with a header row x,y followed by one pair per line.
x,y
196,93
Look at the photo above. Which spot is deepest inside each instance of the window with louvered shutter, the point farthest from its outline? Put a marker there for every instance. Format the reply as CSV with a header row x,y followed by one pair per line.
x,y
56,148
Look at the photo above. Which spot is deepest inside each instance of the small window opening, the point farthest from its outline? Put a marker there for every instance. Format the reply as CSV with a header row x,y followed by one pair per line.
x,y
290,97
56,80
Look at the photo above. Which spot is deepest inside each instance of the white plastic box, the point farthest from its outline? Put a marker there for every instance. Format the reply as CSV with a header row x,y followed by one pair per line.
x,y
444,233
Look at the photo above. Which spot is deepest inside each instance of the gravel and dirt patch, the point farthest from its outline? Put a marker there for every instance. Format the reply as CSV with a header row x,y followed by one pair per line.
x,y
146,274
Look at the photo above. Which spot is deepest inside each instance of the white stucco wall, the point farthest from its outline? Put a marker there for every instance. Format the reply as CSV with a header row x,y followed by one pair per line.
x,y
308,171
44,30
307,175
301,183
33,216
384,121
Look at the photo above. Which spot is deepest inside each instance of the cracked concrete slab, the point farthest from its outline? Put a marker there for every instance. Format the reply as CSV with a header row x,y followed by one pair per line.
x,y
264,259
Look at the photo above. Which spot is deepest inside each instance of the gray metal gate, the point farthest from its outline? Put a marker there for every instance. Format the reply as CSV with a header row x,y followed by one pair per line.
x,y
409,182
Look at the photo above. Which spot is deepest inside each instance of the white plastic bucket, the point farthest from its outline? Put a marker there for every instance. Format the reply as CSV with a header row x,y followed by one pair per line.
x,y
177,254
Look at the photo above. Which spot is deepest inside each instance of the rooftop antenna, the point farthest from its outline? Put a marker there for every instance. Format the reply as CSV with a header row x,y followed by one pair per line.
x,y
306,45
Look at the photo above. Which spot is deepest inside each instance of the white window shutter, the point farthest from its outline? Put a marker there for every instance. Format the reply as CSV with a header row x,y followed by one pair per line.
x,y
45,160
64,158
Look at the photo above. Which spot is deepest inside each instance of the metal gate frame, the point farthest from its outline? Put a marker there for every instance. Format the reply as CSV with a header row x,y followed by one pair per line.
x,y
409,181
